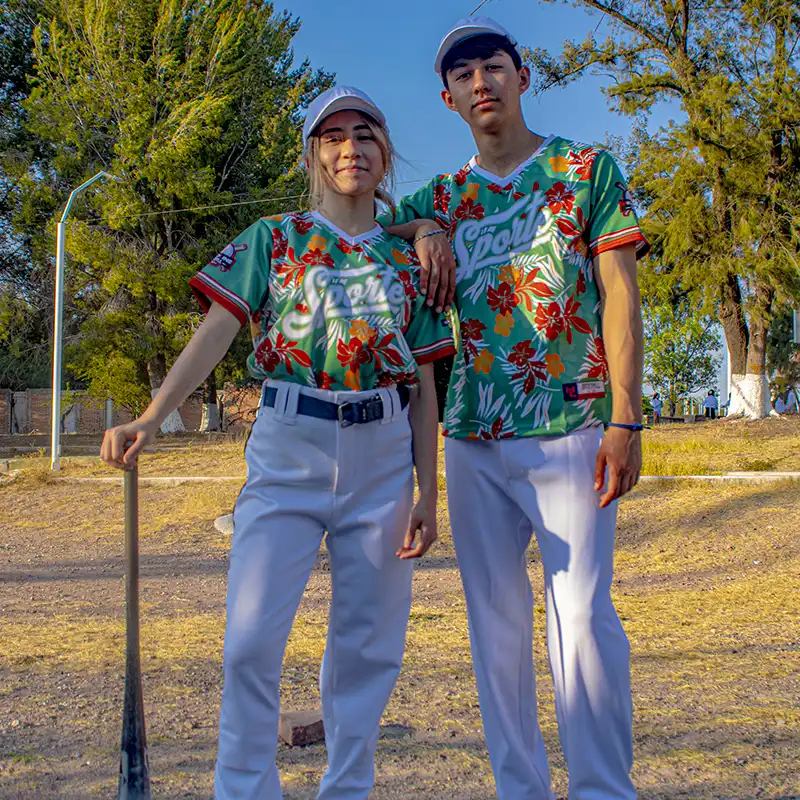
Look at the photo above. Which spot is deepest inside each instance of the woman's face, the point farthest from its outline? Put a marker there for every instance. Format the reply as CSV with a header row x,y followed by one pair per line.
x,y
350,154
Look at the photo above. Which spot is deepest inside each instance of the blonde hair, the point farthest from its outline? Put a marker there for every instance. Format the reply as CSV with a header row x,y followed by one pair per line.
x,y
319,180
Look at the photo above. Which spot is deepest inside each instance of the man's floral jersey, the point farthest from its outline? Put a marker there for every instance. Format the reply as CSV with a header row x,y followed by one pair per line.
x,y
530,355
326,310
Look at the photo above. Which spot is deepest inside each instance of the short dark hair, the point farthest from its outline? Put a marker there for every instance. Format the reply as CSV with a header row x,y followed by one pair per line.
x,y
482,46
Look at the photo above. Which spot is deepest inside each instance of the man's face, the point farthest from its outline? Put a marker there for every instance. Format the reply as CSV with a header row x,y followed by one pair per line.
x,y
486,91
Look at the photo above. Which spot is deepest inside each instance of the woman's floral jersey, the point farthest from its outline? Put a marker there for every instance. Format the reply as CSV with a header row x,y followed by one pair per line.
x,y
326,310
530,356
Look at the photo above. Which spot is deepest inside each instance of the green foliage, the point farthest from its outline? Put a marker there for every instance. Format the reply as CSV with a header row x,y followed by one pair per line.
x,y
721,188
783,355
679,347
189,103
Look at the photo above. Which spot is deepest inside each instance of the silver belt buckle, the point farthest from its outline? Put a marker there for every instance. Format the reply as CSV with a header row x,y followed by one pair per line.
x,y
345,423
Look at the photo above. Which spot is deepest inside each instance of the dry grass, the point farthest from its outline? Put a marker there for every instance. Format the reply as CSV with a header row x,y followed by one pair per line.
x,y
707,586
674,449
722,446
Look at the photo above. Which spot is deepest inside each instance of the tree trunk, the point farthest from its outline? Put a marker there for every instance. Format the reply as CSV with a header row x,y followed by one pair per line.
x,y
734,325
750,391
210,418
157,371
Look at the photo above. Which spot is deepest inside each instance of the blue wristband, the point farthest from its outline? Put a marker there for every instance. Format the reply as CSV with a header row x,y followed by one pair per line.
x,y
637,427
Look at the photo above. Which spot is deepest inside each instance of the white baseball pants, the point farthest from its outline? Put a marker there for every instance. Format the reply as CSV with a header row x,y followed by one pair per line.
x,y
499,493
306,476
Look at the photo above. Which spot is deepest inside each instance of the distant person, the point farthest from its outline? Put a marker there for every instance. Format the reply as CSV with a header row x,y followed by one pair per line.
x,y
711,404
657,406
791,402
779,405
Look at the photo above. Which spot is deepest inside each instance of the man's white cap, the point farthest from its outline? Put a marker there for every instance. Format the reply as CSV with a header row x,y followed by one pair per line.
x,y
465,29
339,98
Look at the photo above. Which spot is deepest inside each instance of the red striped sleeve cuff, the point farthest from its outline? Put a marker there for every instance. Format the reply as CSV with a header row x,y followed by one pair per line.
x,y
611,241
206,290
434,351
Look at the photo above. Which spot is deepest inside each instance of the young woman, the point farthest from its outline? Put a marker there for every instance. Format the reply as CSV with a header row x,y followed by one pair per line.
x,y
344,341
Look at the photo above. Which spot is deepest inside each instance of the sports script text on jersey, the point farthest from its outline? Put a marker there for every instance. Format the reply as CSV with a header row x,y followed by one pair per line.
x,y
355,292
489,241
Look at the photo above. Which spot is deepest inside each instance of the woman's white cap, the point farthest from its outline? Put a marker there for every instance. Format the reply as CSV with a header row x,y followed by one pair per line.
x,y
466,29
339,98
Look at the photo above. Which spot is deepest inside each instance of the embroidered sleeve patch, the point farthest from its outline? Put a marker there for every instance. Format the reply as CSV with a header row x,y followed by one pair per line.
x,y
584,390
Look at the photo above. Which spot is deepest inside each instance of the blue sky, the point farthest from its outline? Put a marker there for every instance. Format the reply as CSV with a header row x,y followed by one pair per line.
x,y
387,49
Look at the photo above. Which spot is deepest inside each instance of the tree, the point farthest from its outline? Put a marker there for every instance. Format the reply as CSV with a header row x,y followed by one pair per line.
x,y
191,103
679,347
25,284
721,188
783,355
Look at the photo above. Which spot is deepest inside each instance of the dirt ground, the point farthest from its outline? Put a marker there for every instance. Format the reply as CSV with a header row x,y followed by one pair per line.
x,y
707,586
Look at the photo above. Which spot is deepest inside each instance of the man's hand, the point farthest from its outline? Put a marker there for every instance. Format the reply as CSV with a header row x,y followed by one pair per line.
x,y
438,275
423,519
621,454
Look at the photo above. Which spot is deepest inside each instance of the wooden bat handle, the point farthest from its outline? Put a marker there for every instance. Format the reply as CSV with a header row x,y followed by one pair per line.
x,y
134,773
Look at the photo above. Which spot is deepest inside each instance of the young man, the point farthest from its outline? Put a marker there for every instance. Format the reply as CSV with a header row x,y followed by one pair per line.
x,y
546,242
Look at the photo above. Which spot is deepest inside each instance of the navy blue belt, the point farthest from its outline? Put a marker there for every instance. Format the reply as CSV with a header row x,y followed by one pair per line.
x,y
346,414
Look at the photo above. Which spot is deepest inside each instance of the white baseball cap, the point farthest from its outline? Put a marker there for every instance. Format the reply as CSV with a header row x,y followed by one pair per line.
x,y
339,98
465,29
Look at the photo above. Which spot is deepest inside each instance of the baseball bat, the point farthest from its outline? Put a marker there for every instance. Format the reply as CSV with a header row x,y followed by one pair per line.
x,y
134,773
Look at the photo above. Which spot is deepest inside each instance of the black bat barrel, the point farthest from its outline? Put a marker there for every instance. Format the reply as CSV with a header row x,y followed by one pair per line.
x,y
134,773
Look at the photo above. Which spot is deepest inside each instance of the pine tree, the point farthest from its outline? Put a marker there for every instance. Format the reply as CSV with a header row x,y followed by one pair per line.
x,y
721,188
190,103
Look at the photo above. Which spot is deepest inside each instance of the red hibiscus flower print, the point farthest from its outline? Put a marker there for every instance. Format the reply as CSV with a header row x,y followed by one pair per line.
x,y
471,332
582,161
441,198
302,224
324,380
408,284
382,350
597,358
270,355
580,284
493,187
472,329
573,230
572,320
292,270
316,257
502,300
524,356
550,320
279,243
496,431
559,198
460,178
386,378
348,248
528,287
468,209
353,354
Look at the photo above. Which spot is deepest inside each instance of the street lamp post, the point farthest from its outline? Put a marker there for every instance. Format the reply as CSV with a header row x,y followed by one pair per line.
x,y
58,325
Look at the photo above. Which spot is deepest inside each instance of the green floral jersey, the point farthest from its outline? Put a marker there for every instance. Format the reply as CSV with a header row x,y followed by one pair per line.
x,y
530,355
326,310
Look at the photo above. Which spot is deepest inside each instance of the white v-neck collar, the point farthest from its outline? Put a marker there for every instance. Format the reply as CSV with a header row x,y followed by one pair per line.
x,y
362,237
479,170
